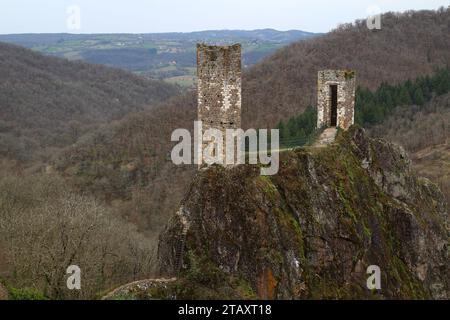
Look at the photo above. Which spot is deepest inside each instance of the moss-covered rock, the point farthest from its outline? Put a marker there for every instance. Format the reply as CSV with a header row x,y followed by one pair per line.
x,y
312,230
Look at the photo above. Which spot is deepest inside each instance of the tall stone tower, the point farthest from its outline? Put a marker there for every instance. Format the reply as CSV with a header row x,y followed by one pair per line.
x,y
219,87
336,99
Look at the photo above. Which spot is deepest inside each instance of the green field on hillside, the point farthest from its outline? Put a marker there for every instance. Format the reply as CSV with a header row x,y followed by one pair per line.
x,y
165,56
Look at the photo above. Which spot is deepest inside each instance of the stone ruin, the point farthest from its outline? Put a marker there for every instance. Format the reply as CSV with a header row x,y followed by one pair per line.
x,y
219,88
219,93
336,99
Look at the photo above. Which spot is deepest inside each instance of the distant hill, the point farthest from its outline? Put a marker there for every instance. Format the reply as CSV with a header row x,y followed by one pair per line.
x,y
47,102
130,159
271,35
169,56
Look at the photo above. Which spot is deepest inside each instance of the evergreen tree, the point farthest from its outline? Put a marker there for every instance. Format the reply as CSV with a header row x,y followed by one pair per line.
x,y
443,82
403,97
418,98
284,134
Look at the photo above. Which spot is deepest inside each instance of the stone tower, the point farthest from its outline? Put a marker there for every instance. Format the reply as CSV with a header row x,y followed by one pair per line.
x,y
219,87
336,99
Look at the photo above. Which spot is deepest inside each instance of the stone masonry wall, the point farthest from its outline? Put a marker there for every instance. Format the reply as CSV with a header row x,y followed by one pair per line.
x,y
346,90
219,87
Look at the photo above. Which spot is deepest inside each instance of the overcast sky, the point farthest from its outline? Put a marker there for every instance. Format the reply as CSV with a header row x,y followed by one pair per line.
x,y
145,16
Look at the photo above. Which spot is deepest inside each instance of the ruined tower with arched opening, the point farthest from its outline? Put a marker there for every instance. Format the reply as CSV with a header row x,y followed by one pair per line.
x,y
336,98
219,88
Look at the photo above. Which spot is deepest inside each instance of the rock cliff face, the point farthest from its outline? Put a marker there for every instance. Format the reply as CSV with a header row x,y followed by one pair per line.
x,y
312,230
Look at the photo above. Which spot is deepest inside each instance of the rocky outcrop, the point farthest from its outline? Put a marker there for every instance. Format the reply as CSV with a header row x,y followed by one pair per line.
x,y
312,230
